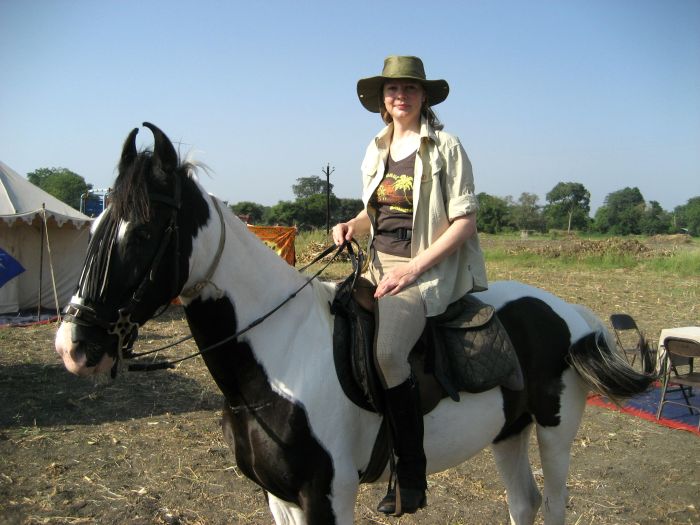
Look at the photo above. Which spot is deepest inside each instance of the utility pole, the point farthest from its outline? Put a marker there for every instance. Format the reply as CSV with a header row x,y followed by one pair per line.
x,y
327,172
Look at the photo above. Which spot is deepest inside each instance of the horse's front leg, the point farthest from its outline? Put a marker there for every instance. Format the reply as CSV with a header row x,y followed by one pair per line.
x,y
284,512
345,488
315,506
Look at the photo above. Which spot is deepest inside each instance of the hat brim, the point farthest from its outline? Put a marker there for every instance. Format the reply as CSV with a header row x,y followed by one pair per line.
x,y
369,91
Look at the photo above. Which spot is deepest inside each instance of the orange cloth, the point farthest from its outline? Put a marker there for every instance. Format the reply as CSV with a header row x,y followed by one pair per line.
x,y
279,238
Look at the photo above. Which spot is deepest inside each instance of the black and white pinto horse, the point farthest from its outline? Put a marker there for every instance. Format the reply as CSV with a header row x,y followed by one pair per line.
x,y
293,430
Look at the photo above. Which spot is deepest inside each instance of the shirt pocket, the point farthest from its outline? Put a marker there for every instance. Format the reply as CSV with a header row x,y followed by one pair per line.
x,y
431,167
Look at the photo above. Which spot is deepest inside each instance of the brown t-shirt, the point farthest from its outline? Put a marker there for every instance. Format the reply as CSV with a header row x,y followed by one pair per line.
x,y
393,200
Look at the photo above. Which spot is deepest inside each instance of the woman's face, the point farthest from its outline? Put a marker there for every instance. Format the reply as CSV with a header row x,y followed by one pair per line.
x,y
403,100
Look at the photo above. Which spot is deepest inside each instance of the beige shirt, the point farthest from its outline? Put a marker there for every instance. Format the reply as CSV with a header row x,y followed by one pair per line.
x,y
446,192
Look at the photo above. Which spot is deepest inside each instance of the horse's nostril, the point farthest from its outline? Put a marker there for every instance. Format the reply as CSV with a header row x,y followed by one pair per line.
x,y
77,354
91,351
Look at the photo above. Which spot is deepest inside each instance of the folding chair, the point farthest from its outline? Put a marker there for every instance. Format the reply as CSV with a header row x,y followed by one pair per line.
x,y
629,338
680,353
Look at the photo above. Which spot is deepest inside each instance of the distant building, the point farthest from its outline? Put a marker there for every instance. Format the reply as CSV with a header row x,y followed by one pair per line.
x,y
93,202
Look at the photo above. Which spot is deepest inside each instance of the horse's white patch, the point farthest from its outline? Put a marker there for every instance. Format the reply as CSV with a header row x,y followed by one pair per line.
x,y
501,293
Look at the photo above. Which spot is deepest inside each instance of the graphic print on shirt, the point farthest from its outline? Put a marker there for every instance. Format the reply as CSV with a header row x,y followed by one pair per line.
x,y
396,192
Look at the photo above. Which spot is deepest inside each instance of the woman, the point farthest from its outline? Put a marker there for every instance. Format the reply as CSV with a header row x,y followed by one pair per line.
x,y
420,212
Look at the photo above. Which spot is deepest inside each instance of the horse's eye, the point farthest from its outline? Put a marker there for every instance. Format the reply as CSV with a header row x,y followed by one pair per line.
x,y
142,234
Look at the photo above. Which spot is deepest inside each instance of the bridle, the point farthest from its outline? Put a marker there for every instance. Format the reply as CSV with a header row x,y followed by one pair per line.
x,y
89,313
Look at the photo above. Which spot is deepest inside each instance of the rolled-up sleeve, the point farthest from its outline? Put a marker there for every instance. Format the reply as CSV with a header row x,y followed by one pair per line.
x,y
459,183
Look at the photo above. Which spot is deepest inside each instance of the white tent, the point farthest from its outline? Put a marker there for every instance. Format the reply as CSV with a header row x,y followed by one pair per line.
x,y
47,237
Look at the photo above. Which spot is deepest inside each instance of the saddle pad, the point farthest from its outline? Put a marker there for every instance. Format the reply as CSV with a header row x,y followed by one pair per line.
x,y
475,359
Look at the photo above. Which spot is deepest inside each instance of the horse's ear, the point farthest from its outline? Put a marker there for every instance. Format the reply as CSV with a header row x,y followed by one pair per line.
x,y
129,149
164,154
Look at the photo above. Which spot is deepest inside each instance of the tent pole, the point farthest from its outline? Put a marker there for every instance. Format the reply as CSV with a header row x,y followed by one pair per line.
x,y
53,275
41,257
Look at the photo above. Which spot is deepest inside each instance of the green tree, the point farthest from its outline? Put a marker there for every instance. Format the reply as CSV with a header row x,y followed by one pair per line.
x,y
345,209
526,214
655,220
493,216
621,213
568,206
687,216
253,210
309,186
282,213
62,183
306,213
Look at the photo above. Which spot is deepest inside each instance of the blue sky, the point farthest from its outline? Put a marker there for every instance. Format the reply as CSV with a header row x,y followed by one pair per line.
x,y
601,92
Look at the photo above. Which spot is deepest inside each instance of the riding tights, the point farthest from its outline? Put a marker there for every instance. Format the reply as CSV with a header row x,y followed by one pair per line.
x,y
400,320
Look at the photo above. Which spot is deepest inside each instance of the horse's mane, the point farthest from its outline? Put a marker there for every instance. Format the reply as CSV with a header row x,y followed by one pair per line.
x,y
130,199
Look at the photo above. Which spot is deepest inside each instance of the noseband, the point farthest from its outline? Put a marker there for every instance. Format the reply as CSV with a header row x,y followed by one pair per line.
x,y
88,313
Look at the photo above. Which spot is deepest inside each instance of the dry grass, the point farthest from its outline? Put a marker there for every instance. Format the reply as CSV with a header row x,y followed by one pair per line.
x,y
148,448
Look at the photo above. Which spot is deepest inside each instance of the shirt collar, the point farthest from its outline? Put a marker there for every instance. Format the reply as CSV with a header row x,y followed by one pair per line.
x,y
426,130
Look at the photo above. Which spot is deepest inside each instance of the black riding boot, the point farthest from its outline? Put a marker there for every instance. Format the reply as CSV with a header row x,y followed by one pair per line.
x,y
403,411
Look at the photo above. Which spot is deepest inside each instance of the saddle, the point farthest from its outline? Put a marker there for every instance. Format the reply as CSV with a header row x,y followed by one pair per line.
x,y
465,349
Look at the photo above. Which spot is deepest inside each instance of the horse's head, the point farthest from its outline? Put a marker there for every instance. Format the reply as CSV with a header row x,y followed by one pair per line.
x,y
137,259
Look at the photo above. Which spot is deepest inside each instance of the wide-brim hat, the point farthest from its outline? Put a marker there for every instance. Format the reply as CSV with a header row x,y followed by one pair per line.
x,y
400,67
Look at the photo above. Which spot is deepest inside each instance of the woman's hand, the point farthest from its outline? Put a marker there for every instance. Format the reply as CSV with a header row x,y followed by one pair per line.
x,y
343,231
396,279
346,231
401,276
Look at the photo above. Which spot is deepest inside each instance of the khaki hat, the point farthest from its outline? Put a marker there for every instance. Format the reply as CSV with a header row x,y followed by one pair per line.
x,y
400,67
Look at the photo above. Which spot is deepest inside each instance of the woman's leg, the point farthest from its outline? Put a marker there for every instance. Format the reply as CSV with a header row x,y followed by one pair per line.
x,y
400,322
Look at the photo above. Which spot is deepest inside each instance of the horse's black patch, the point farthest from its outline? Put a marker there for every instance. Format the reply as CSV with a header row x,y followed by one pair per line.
x,y
269,434
541,339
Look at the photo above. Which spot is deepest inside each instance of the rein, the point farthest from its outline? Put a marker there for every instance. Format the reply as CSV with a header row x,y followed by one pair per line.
x,y
161,365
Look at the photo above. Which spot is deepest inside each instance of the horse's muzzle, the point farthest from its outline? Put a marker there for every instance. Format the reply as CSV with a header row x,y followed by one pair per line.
x,y
75,351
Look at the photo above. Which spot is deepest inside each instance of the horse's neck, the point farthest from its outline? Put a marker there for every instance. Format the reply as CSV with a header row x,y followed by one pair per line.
x,y
292,342
248,272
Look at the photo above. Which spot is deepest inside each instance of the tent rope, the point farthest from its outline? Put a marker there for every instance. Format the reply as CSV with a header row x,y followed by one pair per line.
x,y
53,277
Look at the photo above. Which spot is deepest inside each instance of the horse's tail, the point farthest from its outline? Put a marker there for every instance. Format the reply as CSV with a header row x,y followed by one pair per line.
x,y
607,371
603,368
648,355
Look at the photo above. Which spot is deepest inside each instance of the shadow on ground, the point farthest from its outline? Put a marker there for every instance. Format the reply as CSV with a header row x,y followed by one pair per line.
x,y
34,394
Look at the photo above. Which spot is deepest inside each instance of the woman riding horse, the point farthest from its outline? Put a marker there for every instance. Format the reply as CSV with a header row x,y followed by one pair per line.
x,y
420,208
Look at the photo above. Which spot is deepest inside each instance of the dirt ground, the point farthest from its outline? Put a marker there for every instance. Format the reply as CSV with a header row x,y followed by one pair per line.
x,y
147,448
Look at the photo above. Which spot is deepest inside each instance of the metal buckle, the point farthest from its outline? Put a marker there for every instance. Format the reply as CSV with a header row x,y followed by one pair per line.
x,y
403,234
